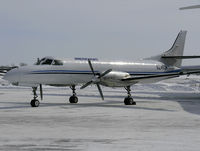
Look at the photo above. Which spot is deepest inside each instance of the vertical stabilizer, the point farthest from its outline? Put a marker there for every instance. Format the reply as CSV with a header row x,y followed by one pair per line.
x,y
176,50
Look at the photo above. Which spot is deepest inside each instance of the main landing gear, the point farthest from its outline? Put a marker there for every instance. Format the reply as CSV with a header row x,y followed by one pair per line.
x,y
73,98
35,102
129,100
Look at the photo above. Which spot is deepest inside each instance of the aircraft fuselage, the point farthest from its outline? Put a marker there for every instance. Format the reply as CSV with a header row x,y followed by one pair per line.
x,y
79,72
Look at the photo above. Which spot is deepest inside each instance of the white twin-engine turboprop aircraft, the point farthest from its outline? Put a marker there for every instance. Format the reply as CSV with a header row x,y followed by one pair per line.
x,y
53,72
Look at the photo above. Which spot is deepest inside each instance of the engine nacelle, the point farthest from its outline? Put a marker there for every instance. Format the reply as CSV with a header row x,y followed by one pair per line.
x,y
113,79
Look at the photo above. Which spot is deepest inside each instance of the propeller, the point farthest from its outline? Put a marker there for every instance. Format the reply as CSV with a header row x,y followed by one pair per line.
x,y
96,79
41,92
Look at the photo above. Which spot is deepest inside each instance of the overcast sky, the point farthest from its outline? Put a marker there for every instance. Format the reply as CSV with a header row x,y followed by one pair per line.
x,y
106,29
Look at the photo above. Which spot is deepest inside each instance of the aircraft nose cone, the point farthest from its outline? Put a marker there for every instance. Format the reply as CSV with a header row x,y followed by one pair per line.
x,y
12,76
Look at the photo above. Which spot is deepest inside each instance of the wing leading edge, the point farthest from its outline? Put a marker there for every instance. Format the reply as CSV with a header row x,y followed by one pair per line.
x,y
140,79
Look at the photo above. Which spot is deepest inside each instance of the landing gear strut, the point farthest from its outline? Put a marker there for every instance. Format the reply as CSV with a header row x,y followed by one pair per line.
x,y
73,98
129,100
35,102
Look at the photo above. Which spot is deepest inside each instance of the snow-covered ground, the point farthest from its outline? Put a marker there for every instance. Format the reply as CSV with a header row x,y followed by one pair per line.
x,y
3,82
166,117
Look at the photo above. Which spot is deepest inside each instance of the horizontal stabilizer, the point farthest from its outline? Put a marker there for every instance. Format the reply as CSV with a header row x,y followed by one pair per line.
x,y
190,7
180,57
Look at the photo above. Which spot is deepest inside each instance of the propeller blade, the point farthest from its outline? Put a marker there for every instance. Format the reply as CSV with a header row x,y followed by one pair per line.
x,y
91,67
104,73
100,91
87,84
96,80
41,92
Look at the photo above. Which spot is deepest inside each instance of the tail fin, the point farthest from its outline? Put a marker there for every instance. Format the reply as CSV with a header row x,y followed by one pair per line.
x,y
176,50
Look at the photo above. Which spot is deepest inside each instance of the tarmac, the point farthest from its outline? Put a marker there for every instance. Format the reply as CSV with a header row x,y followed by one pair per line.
x,y
161,120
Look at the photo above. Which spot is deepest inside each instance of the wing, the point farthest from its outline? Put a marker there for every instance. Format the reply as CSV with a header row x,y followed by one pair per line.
x,y
191,69
159,77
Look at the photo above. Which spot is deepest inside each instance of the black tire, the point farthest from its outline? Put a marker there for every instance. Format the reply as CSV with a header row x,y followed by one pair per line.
x,y
73,99
133,103
126,101
129,101
35,103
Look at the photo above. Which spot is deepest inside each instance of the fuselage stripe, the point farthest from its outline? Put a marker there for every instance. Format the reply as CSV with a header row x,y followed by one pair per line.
x,y
90,72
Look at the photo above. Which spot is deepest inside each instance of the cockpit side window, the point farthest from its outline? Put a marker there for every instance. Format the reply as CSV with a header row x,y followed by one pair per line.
x,y
47,62
39,61
42,60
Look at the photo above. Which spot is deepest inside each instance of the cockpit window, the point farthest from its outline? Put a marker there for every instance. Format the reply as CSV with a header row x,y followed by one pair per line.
x,y
57,62
48,61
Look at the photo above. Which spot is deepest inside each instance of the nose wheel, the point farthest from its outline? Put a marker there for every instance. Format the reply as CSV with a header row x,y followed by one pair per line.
x,y
129,100
73,98
35,102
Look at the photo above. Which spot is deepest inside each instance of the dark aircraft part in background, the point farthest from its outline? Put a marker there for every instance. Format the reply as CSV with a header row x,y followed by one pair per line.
x,y
5,69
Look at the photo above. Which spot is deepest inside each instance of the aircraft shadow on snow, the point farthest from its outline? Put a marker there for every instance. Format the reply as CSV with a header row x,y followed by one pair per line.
x,y
190,102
